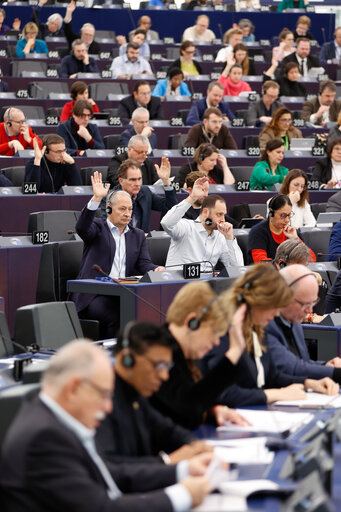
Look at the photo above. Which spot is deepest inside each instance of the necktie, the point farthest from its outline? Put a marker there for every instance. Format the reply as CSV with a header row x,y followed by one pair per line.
x,y
113,490
302,67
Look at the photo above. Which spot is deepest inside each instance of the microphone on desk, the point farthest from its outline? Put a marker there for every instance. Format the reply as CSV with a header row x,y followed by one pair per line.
x,y
116,281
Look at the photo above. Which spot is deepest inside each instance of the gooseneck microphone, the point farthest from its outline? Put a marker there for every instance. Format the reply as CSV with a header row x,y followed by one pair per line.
x,y
99,269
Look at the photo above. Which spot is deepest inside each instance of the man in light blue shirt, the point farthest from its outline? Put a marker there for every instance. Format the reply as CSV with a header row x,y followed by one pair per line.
x,y
130,64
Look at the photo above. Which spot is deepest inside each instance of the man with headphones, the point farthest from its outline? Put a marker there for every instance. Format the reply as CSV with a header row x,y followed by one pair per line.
x,y
260,112
207,239
52,167
331,52
78,62
211,130
15,134
285,336
113,245
324,108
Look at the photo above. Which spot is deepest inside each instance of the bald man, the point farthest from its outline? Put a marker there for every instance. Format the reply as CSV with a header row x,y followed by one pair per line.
x,y
284,334
50,461
15,134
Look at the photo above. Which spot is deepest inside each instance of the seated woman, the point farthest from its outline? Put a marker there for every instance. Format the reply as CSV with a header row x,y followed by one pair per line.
x,y
268,170
79,91
29,42
138,37
286,45
78,133
265,237
248,28
240,56
231,79
186,63
280,128
208,159
327,170
259,381
288,83
295,186
335,131
171,86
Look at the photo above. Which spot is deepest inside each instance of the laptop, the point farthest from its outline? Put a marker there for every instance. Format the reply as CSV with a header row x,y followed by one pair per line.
x,y
302,144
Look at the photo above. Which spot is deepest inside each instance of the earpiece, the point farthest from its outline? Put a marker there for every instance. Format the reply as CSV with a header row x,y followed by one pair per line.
x,y
282,264
128,359
108,210
194,323
47,150
202,155
8,115
9,123
271,213
208,222
247,285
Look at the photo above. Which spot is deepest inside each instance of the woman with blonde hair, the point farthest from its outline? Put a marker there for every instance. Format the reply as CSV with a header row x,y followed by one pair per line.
x,y
29,42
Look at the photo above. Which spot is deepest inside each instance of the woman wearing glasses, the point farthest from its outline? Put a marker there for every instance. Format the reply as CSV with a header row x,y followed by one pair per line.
x,y
265,237
268,171
280,128
186,63
295,186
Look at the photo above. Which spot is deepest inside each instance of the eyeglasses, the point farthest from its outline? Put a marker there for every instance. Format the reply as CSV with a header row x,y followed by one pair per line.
x,y
160,366
105,394
285,121
23,121
298,185
286,215
141,122
308,304
189,52
139,152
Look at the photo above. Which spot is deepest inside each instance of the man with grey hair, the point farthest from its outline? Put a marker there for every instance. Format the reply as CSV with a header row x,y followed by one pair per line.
x,y
15,134
138,149
50,460
139,126
78,62
53,25
285,336
117,248
87,31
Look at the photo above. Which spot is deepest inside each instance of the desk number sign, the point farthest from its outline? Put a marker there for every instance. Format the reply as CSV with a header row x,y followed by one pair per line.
x,y
191,270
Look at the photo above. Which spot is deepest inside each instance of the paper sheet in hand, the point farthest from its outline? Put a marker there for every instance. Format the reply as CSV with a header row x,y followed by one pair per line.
x,y
314,400
245,487
270,421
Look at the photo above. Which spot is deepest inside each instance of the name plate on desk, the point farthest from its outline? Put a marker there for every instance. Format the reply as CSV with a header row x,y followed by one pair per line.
x,y
191,270
162,277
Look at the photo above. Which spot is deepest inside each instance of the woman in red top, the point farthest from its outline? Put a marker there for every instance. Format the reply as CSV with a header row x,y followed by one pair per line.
x,y
265,237
79,91
231,79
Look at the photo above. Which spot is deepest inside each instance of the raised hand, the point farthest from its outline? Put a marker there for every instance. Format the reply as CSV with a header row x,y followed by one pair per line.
x,y
199,190
164,171
38,153
99,189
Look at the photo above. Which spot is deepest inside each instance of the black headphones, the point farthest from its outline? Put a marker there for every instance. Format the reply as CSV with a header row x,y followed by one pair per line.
x,y
208,222
108,208
301,277
284,263
247,285
128,359
9,123
195,322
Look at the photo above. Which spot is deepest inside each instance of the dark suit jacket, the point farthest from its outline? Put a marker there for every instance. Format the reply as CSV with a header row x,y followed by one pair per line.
x,y
334,295
70,35
288,362
177,64
130,131
100,247
334,203
312,106
196,114
45,468
257,109
73,142
149,174
327,52
70,65
322,170
135,431
127,106
312,62
43,29
5,182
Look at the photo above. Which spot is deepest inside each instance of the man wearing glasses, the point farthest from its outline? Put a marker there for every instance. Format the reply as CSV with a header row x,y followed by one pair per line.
x,y
141,97
15,134
78,134
139,126
52,167
285,336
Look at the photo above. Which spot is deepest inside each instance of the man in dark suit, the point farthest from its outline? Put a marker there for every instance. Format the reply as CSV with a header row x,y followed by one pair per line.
x,y
285,336
134,431
78,62
139,126
331,50
50,461
324,108
214,96
302,56
87,31
141,97
260,112
119,249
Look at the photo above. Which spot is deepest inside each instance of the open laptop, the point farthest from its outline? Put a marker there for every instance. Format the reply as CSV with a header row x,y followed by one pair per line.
x,y
328,218
302,144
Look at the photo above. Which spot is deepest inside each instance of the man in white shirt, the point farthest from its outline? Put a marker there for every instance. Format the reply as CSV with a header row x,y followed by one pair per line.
x,y
56,459
206,239
199,33
231,37
130,64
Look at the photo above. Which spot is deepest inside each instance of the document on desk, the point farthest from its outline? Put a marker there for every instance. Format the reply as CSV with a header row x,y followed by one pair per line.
x,y
222,503
269,421
251,450
314,401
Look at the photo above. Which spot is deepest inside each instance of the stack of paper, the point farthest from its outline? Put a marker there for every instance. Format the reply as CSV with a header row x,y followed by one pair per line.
x,y
270,421
315,401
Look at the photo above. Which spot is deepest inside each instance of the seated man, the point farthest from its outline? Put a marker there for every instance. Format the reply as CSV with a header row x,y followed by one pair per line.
x,y
130,64
87,32
54,23
138,148
285,336
324,108
138,37
119,249
214,96
134,431
302,57
15,134
52,167
78,133
331,51
199,33
209,240
260,112
78,62
211,130
139,126
144,200
145,22
141,97
50,460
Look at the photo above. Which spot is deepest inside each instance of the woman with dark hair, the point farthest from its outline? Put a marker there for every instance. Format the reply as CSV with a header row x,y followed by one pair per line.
x,y
186,63
280,128
288,83
286,45
265,237
327,170
295,186
208,159
171,86
268,170
231,79
240,56
79,91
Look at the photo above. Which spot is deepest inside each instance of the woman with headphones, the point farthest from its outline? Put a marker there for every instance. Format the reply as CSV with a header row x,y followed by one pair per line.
x,y
207,159
265,237
264,292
